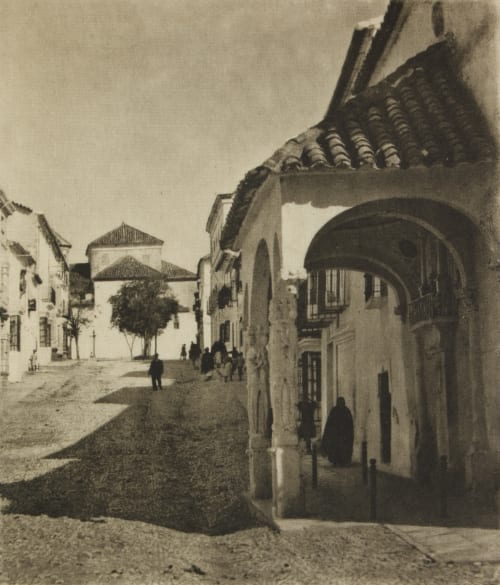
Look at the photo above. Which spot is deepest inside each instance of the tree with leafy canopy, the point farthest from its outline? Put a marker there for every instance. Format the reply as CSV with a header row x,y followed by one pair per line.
x,y
142,308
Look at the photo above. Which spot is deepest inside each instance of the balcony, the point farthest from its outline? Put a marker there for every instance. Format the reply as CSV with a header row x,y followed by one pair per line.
x,y
321,298
432,306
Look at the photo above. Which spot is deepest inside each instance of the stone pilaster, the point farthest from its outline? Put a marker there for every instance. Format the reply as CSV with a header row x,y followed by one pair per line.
x,y
481,463
438,388
260,467
258,444
287,480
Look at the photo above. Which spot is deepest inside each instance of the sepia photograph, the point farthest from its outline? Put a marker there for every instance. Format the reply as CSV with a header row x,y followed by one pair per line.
x,y
249,292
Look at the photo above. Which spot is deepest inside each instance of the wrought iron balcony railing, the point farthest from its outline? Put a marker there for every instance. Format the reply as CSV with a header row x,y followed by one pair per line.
x,y
432,306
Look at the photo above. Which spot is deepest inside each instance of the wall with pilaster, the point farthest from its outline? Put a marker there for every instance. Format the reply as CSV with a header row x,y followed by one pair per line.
x,y
362,344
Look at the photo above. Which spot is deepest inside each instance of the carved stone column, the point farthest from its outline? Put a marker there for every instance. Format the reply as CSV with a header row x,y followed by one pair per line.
x,y
258,444
437,391
288,495
480,463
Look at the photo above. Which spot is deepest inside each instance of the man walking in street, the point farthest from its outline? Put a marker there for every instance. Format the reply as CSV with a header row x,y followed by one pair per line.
x,y
155,371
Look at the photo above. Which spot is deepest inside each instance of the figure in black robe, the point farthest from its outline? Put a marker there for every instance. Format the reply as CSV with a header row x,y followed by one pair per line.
x,y
207,362
338,435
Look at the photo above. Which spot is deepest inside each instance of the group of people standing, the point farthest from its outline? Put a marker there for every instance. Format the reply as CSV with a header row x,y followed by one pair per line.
x,y
338,435
225,363
217,359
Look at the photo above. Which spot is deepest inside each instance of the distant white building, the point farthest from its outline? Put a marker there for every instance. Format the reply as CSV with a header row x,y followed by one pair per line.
x,y
122,255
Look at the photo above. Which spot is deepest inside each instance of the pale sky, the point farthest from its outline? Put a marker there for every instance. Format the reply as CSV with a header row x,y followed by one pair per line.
x,y
143,110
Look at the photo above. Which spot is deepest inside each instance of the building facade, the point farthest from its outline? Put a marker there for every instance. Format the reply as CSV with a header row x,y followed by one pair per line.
x,y
380,225
225,302
35,291
201,302
122,255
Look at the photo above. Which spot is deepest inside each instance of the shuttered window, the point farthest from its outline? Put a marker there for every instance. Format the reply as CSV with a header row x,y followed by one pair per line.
x,y
15,333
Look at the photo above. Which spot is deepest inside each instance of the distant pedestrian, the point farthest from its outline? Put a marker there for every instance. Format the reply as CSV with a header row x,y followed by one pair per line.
x,y
207,362
183,352
33,361
194,353
219,351
227,368
240,365
156,371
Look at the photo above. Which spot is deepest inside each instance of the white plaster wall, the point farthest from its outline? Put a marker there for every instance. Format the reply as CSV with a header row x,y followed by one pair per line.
x,y
110,343
21,228
171,340
101,258
204,289
268,224
300,224
184,292
376,338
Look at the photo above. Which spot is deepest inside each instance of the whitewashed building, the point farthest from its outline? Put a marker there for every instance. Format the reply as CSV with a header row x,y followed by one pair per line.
x,y
126,254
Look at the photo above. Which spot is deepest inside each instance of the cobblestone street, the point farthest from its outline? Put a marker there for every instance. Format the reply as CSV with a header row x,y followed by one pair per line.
x,y
104,481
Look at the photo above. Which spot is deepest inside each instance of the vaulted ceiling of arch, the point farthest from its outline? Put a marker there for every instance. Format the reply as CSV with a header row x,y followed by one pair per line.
x,y
383,246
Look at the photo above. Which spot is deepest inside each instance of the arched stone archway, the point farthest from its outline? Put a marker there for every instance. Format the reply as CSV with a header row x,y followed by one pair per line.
x,y
258,382
271,373
424,249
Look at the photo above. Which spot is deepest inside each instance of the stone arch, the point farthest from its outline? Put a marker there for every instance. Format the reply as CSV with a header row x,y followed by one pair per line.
x,y
258,382
246,309
369,238
448,225
261,286
276,258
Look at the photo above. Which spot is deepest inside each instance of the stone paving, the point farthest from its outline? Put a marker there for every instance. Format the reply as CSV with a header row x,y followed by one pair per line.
x,y
104,481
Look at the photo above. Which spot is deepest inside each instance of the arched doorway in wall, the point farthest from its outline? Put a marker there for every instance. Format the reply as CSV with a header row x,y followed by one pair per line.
x,y
258,381
422,250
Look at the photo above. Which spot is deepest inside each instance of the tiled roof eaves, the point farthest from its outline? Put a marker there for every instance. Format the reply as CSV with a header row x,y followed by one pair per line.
x,y
215,206
241,202
420,115
379,44
6,205
52,239
128,268
22,208
20,251
173,272
121,236
62,241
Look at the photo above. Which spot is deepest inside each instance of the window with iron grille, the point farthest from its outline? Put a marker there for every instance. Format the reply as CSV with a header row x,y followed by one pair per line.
x,y
326,292
15,333
225,331
310,383
45,332
374,287
310,375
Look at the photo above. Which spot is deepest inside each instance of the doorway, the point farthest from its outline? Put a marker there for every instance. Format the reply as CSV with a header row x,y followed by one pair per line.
x,y
385,416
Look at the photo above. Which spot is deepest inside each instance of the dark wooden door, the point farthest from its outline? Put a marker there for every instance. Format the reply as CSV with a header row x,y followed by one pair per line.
x,y
385,416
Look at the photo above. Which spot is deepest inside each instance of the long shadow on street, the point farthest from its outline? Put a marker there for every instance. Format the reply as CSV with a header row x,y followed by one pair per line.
x,y
150,464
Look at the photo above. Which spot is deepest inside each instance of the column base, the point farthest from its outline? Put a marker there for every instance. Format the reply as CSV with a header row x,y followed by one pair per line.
x,y
261,485
288,487
480,474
